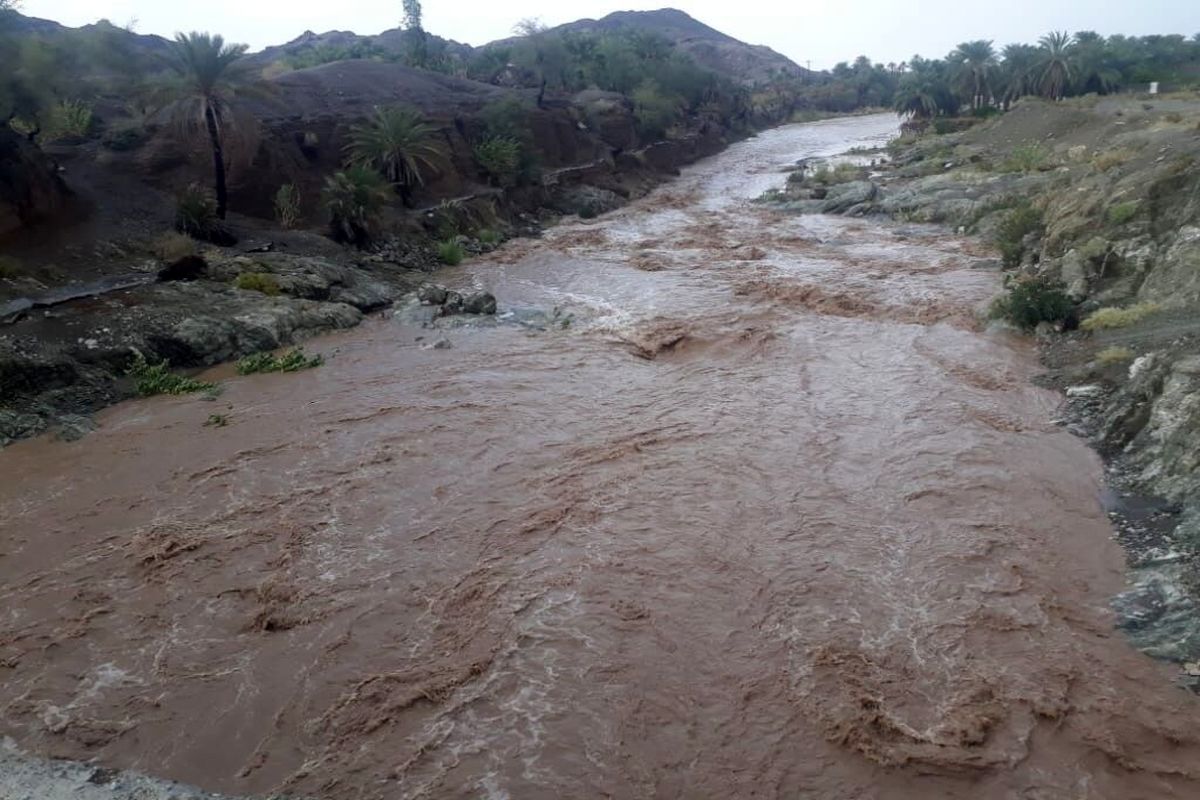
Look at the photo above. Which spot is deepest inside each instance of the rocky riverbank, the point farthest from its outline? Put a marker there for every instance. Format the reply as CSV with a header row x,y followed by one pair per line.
x,y
1097,199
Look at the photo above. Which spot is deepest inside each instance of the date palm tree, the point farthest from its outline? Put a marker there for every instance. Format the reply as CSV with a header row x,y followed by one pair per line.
x,y
977,62
1055,67
400,144
1017,72
209,74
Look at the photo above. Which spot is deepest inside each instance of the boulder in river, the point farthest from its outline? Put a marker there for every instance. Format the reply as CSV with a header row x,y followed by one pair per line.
x,y
450,302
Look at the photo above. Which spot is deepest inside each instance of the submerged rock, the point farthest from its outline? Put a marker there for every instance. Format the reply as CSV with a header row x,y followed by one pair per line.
x,y
449,302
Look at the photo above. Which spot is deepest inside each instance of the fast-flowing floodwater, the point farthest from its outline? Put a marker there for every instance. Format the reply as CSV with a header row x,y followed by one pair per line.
x,y
770,517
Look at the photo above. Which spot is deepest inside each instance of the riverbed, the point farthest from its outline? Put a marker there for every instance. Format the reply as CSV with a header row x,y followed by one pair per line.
x,y
725,503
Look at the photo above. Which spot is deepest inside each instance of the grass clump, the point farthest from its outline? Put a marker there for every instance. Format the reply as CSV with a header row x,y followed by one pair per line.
x,y
1105,161
1114,355
263,282
151,379
1011,233
1112,317
292,361
839,173
1122,212
489,237
287,206
171,246
1030,300
450,253
196,213
1027,158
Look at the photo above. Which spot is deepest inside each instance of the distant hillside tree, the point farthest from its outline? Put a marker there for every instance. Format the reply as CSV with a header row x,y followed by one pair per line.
x,y
209,77
416,42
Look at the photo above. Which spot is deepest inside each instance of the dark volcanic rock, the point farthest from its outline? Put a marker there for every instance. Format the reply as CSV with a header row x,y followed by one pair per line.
x,y
30,189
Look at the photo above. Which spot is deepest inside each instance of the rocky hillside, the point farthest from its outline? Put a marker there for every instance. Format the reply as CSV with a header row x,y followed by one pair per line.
x,y
723,54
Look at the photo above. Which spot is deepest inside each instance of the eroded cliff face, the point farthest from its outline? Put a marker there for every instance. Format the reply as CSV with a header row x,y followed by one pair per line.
x,y
30,188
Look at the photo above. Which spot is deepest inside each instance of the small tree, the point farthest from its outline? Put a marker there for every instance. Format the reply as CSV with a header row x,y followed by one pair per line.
x,y
414,34
208,69
400,144
354,199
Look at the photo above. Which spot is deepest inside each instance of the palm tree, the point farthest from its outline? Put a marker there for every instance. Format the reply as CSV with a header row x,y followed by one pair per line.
x,y
977,61
1057,55
209,71
1016,72
916,100
399,143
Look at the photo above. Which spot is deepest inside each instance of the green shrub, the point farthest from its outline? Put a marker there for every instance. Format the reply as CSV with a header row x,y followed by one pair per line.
x,y
287,205
69,119
450,253
292,361
588,212
500,159
263,282
1122,212
196,213
1030,300
1027,158
151,379
654,111
1012,230
1105,318
489,236
354,198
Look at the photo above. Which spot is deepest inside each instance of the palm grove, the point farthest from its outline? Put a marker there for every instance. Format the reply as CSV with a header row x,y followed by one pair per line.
x,y
202,83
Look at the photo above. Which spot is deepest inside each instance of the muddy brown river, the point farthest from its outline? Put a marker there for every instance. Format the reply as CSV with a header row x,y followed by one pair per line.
x,y
762,512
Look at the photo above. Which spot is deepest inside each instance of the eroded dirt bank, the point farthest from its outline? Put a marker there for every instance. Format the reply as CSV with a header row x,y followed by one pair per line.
x,y
770,517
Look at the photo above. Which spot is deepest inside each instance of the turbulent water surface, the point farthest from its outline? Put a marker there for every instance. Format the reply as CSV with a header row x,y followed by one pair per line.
x,y
760,513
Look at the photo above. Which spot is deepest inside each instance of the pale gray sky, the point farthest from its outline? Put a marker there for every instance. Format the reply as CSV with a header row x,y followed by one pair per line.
x,y
820,31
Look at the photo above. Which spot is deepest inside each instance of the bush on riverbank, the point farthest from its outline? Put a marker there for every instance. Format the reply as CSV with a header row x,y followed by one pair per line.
x,y
151,379
1029,300
1013,230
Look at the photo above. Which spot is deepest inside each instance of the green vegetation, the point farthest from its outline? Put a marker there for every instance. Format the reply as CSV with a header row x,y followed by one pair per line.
x,y
68,119
354,199
151,379
196,213
209,76
216,421
500,159
843,172
450,253
293,360
1026,158
263,282
489,236
1114,355
1121,213
1030,300
1109,159
400,144
654,110
1011,233
287,205
1106,318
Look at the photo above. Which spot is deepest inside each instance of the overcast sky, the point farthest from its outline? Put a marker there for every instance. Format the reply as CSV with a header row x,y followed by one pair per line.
x,y
822,32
